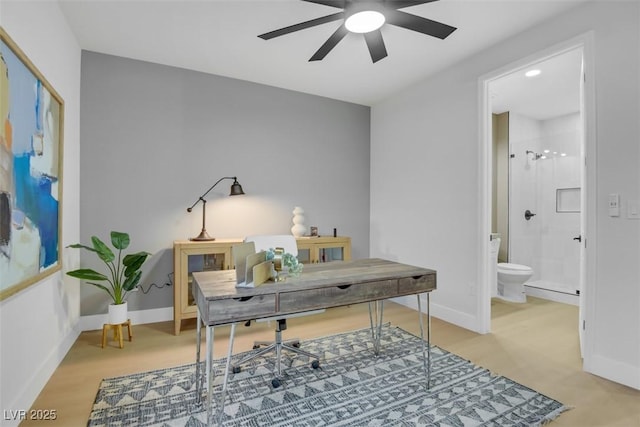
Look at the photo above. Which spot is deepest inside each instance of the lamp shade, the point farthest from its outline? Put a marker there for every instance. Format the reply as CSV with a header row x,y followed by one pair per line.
x,y
236,189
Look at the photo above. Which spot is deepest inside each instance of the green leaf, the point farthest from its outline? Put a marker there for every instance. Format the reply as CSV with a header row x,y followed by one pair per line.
x,y
133,262
120,240
132,281
79,246
104,288
103,250
87,274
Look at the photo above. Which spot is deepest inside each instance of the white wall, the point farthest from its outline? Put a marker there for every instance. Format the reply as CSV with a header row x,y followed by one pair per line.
x,y
426,140
38,325
424,205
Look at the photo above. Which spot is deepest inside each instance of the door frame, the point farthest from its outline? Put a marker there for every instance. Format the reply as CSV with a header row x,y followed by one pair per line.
x,y
588,266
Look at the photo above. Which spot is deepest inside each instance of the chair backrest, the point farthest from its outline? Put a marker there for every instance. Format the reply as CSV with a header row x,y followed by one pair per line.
x,y
268,241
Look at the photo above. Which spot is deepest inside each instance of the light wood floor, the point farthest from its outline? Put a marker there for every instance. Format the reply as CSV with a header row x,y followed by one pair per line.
x,y
535,344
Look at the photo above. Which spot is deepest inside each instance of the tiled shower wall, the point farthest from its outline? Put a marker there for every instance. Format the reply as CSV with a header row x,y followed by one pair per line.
x,y
545,242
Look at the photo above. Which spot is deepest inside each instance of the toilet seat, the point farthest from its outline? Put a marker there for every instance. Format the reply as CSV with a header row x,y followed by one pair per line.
x,y
514,268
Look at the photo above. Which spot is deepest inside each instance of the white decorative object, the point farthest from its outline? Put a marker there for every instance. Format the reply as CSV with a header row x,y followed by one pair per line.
x,y
117,313
298,228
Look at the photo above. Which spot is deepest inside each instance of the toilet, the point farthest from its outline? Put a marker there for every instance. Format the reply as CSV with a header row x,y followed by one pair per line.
x,y
511,280
494,247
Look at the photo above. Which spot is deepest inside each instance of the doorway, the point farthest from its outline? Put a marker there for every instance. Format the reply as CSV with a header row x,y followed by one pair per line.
x,y
537,173
564,202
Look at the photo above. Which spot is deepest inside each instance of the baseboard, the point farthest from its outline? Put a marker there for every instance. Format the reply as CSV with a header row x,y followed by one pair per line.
x,y
553,296
464,320
34,385
139,317
615,371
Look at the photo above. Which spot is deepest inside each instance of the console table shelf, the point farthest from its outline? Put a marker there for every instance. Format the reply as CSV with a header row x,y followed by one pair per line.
x,y
313,250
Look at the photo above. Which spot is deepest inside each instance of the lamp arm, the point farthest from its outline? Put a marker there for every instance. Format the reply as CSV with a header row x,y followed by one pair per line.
x,y
201,198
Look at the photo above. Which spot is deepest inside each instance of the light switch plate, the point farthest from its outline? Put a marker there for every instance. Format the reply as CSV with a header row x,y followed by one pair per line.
x,y
614,204
633,209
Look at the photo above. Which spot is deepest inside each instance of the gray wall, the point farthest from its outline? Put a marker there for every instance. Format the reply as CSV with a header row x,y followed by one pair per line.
x,y
154,138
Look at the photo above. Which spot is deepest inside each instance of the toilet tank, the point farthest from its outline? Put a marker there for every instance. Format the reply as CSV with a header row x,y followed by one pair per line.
x,y
493,265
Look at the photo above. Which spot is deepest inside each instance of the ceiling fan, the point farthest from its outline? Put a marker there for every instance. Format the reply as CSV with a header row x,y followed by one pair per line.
x,y
366,17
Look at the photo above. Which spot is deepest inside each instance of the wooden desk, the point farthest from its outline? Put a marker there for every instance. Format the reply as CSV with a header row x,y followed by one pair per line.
x,y
320,286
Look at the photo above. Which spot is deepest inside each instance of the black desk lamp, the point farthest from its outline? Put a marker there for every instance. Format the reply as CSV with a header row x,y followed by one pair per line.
x,y
236,190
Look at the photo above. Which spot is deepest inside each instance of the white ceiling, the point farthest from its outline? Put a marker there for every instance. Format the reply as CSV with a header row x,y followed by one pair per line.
x,y
220,37
553,93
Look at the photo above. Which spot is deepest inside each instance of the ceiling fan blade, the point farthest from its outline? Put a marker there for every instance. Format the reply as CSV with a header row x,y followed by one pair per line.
x,y
330,43
302,26
399,4
376,46
333,3
419,24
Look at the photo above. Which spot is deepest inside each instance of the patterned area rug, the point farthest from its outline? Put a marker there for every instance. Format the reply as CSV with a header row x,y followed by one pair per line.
x,y
351,388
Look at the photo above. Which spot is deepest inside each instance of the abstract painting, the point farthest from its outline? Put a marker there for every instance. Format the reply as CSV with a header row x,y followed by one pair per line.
x,y
31,124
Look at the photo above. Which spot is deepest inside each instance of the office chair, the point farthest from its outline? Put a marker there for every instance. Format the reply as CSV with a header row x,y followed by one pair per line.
x,y
288,243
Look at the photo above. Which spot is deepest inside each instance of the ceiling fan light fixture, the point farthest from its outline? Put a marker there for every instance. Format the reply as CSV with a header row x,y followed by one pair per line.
x,y
364,21
366,17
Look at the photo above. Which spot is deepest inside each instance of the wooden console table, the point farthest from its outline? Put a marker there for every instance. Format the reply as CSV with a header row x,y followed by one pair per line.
x,y
190,256
320,286
323,249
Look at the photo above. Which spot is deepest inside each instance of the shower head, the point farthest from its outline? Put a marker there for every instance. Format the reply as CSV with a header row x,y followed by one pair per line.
x,y
536,156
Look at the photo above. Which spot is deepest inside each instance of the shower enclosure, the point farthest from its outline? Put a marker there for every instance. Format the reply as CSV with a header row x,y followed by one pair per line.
x,y
544,201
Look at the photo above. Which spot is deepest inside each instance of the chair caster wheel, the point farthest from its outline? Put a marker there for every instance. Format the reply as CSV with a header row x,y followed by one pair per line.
x,y
275,383
296,344
236,369
315,364
255,347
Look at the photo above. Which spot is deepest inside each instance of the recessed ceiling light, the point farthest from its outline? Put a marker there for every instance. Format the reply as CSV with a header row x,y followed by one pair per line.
x,y
546,151
563,154
532,73
365,21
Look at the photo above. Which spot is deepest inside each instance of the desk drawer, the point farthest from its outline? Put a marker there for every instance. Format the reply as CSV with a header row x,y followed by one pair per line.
x,y
237,309
337,295
414,285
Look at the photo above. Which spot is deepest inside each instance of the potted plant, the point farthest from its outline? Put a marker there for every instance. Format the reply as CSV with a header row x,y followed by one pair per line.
x,y
123,273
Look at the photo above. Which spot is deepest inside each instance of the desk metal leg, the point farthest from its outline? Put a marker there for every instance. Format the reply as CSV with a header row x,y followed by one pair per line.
x,y
209,373
198,376
426,359
227,368
429,339
375,311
